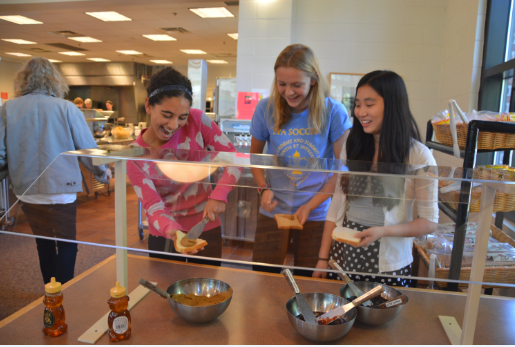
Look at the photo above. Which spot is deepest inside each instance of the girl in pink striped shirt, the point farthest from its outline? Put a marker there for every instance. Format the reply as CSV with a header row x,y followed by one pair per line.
x,y
182,132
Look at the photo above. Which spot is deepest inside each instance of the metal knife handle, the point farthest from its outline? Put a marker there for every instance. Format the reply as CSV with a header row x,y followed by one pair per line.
x,y
368,295
291,281
335,266
153,288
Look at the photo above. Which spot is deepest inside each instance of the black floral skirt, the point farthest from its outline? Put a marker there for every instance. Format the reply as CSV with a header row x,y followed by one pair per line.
x,y
364,259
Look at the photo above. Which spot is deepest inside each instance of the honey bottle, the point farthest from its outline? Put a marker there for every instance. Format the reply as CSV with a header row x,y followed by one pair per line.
x,y
54,311
119,319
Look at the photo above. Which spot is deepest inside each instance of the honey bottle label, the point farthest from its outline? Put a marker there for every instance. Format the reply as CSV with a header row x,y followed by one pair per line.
x,y
49,319
120,325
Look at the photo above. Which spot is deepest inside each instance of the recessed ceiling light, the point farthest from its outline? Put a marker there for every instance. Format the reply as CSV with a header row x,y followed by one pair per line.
x,y
129,52
161,61
217,62
193,51
212,12
54,61
85,39
160,37
18,54
71,53
98,59
20,20
109,16
234,36
20,42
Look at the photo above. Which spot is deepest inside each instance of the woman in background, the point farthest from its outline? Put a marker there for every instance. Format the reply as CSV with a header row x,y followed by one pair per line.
x,y
35,128
78,102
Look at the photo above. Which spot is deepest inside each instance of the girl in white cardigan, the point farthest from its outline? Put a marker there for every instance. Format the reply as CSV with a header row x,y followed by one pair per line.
x,y
383,139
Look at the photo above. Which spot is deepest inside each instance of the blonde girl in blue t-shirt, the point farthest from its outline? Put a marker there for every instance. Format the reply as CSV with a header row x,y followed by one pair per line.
x,y
300,123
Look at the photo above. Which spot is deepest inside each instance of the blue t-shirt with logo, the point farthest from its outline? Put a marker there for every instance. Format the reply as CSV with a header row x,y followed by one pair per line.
x,y
297,147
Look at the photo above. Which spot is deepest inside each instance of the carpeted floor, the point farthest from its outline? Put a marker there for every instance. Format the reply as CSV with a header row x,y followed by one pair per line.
x,y
20,277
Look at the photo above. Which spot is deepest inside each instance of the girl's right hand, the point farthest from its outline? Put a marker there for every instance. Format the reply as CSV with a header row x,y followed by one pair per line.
x,y
267,200
322,264
170,234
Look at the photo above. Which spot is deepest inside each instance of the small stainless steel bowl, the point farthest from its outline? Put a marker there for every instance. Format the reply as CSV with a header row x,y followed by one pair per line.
x,y
320,302
369,315
198,286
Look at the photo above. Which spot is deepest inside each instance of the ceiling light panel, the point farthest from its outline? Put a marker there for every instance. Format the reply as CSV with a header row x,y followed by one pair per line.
x,y
109,16
20,20
84,39
20,42
54,61
161,62
160,37
130,52
234,35
18,54
212,12
217,62
193,51
73,54
98,59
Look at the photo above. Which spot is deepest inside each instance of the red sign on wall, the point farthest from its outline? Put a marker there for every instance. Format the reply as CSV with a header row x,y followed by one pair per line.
x,y
3,95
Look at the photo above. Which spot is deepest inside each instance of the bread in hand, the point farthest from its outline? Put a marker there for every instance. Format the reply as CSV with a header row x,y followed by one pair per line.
x,y
288,221
181,249
346,235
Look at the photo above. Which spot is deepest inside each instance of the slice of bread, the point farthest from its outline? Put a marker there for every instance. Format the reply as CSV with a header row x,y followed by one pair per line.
x,y
181,249
288,221
346,235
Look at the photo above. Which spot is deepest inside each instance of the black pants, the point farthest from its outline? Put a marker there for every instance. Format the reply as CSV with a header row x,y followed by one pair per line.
x,y
57,220
213,248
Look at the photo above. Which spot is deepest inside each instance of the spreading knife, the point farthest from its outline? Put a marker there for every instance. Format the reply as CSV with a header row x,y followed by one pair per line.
x,y
332,263
195,232
304,308
334,314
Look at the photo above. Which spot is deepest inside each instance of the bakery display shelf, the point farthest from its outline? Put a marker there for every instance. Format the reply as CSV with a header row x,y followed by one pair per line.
x,y
469,156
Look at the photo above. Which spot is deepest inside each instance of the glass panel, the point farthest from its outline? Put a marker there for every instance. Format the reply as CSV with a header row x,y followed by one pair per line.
x,y
507,86
510,42
176,187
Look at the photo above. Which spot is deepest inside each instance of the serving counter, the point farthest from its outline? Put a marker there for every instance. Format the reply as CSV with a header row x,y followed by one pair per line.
x,y
257,313
177,183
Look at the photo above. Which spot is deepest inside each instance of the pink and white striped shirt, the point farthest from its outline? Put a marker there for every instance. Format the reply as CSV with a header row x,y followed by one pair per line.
x,y
175,205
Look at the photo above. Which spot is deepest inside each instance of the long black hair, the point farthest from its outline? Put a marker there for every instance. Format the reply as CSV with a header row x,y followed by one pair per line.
x,y
397,131
398,128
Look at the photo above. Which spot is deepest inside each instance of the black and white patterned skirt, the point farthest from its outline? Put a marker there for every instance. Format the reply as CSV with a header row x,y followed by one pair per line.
x,y
364,259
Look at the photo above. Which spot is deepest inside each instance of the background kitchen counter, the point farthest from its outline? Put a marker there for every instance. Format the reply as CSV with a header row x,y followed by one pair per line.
x,y
256,315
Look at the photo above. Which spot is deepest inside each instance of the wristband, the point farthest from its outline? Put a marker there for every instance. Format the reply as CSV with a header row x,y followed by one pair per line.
x,y
324,259
262,188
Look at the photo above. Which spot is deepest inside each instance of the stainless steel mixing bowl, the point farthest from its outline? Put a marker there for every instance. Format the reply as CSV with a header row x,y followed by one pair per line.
x,y
198,286
320,302
369,315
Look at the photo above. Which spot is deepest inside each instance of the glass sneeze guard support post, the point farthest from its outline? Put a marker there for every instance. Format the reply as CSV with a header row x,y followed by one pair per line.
x,y
479,261
120,207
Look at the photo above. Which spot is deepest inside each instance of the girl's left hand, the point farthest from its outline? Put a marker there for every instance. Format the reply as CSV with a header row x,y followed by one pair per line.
x,y
303,214
370,235
213,208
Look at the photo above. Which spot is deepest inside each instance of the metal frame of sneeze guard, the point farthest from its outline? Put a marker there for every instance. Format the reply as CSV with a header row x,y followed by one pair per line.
x,y
120,154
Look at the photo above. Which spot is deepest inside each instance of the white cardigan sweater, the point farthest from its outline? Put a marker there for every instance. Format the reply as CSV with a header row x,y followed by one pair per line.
x,y
396,252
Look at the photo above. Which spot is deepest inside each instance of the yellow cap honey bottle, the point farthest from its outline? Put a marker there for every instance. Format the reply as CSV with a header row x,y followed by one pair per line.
x,y
119,319
54,312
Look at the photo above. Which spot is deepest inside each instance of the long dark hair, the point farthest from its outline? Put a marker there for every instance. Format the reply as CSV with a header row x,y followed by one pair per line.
x,y
397,131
